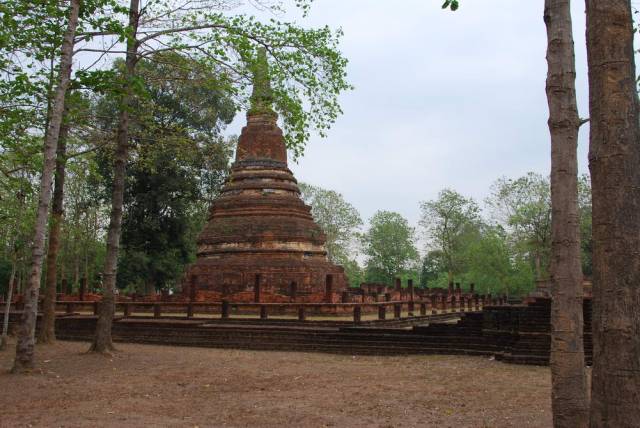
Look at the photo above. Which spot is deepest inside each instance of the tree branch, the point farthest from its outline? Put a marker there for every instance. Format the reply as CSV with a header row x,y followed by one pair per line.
x,y
84,152
180,30
103,51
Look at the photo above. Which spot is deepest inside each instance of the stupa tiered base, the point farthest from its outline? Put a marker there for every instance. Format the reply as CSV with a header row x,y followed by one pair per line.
x,y
260,242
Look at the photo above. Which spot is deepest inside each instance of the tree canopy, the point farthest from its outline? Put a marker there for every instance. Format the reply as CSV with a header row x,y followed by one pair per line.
x,y
523,206
341,222
180,160
389,247
449,222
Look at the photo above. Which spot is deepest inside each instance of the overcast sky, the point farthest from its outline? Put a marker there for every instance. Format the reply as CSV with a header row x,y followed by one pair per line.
x,y
441,100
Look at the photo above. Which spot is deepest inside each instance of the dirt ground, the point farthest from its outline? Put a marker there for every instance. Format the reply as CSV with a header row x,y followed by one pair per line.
x,y
160,386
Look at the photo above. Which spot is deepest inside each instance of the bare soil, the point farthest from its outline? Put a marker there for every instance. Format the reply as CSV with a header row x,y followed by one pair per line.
x,y
143,385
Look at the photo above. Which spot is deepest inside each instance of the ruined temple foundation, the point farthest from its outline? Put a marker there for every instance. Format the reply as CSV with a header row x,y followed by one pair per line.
x,y
260,243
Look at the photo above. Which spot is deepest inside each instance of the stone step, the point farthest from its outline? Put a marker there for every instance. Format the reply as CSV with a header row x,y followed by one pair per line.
x,y
320,339
352,348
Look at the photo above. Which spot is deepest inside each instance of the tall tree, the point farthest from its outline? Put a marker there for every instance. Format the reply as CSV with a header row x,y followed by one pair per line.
x,y
448,221
17,207
47,331
388,246
102,341
10,282
568,375
75,112
180,162
523,207
82,246
338,219
24,360
492,265
614,156
4,338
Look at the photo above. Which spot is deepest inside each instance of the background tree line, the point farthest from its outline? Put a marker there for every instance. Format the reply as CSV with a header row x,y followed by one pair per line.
x,y
180,164
503,247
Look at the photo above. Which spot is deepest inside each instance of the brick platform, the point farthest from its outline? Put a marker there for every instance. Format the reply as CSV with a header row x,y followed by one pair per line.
x,y
517,334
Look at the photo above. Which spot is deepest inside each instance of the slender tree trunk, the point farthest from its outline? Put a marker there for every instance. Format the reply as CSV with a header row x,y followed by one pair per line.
x,y
102,341
537,259
47,332
569,398
76,265
614,161
86,261
73,247
26,332
63,278
7,307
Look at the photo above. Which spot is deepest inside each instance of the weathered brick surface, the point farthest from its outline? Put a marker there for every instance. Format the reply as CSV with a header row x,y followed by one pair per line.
x,y
513,333
86,297
259,225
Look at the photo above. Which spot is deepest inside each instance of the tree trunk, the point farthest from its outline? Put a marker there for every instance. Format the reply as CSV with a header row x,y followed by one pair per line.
x,y
63,276
26,332
47,332
614,160
7,307
74,247
568,375
102,341
76,265
86,262
537,259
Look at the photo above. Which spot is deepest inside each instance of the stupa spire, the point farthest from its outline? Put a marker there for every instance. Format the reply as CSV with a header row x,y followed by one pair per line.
x,y
261,101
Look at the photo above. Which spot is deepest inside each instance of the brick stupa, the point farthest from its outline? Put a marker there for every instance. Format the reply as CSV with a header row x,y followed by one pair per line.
x,y
260,242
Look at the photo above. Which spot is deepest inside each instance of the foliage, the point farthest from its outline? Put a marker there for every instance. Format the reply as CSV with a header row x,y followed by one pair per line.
x,y
340,222
495,255
523,207
30,37
160,223
30,40
82,244
178,165
355,273
493,267
451,4
338,219
505,253
307,71
431,268
489,263
586,240
17,208
449,222
389,247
